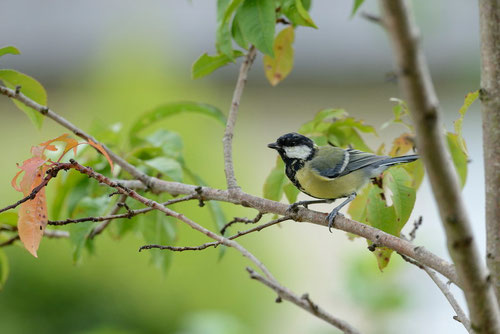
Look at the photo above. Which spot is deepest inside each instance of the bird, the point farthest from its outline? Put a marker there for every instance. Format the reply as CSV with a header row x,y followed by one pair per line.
x,y
329,172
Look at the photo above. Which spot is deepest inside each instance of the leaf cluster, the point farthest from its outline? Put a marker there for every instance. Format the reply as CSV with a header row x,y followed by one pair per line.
x,y
245,23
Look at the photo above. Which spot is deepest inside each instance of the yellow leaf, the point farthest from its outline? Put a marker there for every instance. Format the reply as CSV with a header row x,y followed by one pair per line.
x,y
279,66
402,145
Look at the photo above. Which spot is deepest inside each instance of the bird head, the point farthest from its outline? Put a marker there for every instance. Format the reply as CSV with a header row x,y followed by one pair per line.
x,y
294,146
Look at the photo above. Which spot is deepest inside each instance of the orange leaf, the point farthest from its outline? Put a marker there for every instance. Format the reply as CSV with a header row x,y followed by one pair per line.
x,y
71,143
33,217
402,144
101,149
31,167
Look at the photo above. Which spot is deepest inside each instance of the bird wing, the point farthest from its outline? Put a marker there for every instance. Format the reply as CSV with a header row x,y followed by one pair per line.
x,y
332,162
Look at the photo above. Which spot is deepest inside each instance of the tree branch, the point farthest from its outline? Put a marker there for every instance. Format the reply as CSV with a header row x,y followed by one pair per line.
x,y
489,20
128,214
416,84
216,243
241,220
262,205
303,302
47,233
460,317
305,215
231,119
157,206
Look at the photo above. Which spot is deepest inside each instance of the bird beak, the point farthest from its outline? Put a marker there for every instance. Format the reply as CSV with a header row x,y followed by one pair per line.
x,y
274,146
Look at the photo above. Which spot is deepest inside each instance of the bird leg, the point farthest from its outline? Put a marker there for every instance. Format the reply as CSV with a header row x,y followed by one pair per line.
x,y
335,211
293,207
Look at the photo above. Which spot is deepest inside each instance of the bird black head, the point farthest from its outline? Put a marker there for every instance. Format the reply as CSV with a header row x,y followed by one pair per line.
x,y
294,146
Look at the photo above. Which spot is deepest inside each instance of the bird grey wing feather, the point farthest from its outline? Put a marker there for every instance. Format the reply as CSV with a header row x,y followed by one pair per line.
x,y
351,160
359,159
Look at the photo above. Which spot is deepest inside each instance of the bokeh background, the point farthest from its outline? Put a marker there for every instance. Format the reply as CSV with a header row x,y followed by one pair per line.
x,y
110,61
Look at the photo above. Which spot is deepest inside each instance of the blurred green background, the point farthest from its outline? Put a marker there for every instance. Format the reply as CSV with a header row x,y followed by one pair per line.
x,y
106,63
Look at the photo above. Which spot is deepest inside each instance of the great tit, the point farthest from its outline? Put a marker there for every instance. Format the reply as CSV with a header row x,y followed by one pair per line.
x,y
329,172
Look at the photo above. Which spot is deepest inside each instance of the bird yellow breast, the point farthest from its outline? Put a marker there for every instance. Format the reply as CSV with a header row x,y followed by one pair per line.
x,y
318,186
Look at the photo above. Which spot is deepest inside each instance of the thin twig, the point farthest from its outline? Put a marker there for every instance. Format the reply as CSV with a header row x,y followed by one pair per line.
x,y
56,234
98,229
461,316
9,241
241,220
46,233
416,225
372,18
231,119
416,84
128,214
303,302
216,243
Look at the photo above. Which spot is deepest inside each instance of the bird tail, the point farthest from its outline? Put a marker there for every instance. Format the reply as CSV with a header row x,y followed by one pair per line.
x,y
398,160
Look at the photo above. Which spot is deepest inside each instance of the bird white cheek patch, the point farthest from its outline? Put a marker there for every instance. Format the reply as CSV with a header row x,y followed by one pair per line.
x,y
298,152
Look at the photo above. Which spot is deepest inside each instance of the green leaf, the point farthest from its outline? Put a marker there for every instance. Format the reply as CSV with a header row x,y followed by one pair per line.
x,y
416,171
355,141
215,208
354,123
223,42
469,99
458,156
9,50
167,166
357,208
355,7
257,20
80,188
170,143
304,14
319,118
291,192
87,206
158,228
230,9
9,218
237,33
206,64
380,216
297,12
170,109
273,187
400,110
400,182
278,67
4,269
30,88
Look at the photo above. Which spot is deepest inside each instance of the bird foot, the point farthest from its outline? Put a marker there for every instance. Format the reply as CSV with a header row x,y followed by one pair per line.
x,y
331,217
294,208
